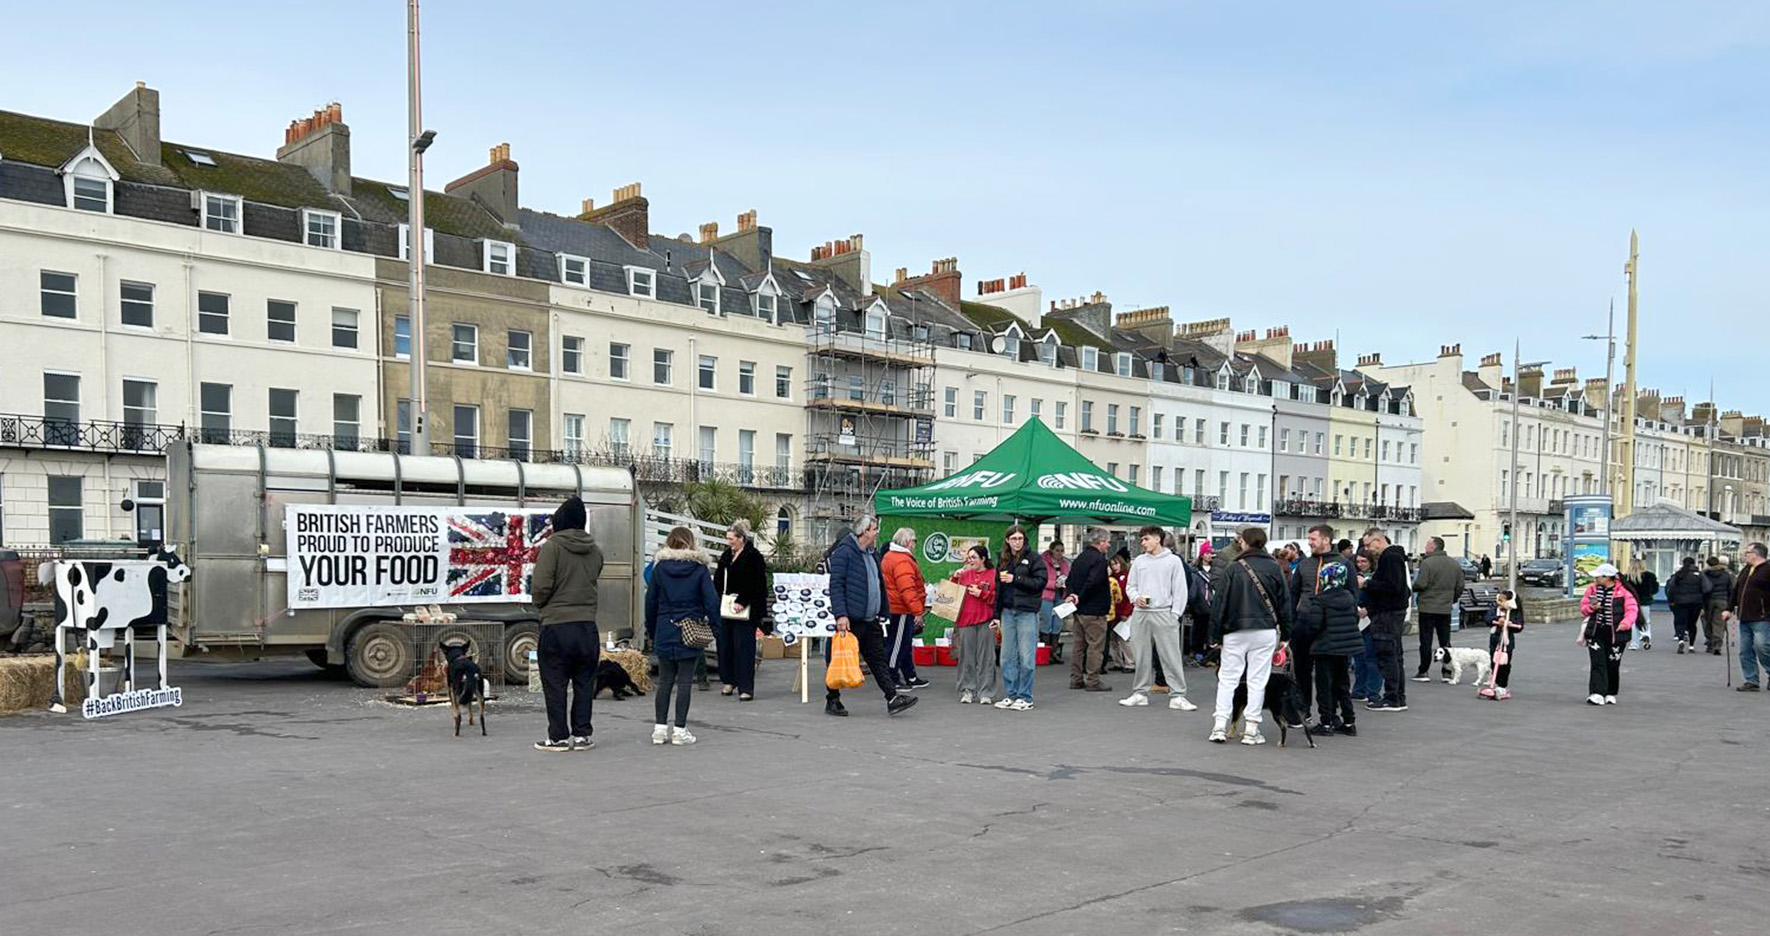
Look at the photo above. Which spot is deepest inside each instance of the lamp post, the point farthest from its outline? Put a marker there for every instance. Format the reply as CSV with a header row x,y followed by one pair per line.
x,y
1609,338
1517,387
417,141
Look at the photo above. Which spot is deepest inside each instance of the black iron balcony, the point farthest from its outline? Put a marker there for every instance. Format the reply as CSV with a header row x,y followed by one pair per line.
x,y
1307,507
1206,502
92,435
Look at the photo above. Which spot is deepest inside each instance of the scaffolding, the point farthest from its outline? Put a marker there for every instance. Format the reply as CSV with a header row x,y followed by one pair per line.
x,y
869,420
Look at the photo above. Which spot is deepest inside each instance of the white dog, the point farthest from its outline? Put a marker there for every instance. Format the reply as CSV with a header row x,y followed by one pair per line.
x,y
1459,657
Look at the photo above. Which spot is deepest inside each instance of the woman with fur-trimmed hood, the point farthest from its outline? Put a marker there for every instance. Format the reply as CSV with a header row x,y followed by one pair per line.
x,y
681,589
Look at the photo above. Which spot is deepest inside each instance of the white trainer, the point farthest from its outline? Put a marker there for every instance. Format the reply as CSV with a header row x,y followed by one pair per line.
x,y
1219,734
1181,703
965,698
1005,704
1610,700
1252,735
660,734
1022,705
680,736
1594,699
1135,698
985,700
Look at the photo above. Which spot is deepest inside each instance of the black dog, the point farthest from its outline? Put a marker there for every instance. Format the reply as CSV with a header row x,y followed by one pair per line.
x,y
466,684
611,676
1283,703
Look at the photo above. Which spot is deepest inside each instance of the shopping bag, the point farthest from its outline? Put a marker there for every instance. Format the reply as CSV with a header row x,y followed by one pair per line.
x,y
844,669
948,596
728,608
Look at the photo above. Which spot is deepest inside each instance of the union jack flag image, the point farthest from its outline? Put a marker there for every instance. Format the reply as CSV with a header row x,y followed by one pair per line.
x,y
493,554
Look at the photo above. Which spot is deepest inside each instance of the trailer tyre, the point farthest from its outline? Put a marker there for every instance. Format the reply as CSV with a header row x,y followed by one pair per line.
x,y
380,655
318,658
519,640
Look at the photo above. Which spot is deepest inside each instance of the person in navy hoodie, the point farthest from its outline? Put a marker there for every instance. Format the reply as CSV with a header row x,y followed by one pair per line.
x,y
681,588
857,601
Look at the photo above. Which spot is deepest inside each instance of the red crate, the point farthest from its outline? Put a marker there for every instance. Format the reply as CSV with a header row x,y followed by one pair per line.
x,y
1043,657
943,656
924,656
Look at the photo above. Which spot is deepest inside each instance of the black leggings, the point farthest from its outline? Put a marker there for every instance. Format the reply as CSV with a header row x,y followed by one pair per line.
x,y
1684,622
678,675
1503,674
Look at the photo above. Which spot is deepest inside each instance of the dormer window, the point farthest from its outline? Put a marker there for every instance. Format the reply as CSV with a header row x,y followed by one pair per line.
x,y
1281,390
574,271
499,258
90,181
875,323
963,340
921,332
1251,383
405,243
1011,345
320,228
1403,408
642,282
1048,352
706,295
1223,380
826,309
1338,398
1124,364
1090,359
221,213
765,305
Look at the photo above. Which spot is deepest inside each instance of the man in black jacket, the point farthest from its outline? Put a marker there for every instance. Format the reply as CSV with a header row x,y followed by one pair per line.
x,y
1386,598
1091,593
1250,618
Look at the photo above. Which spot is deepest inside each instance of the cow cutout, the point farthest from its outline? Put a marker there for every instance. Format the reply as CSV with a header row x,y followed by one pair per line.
x,y
96,599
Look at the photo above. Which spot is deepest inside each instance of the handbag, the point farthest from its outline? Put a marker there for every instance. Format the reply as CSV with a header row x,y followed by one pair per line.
x,y
697,634
728,608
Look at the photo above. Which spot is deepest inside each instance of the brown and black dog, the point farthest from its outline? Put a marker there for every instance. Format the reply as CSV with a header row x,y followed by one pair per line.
x,y
1283,704
466,685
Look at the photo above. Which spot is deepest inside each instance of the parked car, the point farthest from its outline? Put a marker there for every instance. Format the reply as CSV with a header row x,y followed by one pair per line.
x,y
1543,573
1471,569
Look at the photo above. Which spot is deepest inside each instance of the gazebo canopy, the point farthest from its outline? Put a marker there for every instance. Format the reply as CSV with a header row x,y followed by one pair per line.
x,y
1035,476
1665,521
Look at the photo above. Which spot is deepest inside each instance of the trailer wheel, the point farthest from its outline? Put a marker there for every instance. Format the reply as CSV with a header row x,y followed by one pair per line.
x,y
519,640
318,658
380,655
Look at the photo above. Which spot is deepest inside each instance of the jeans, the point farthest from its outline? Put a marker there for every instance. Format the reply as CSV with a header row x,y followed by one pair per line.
x,y
1367,678
1431,624
1643,627
737,654
899,654
674,675
1246,652
1049,622
1391,657
1754,649
567,656
1020,652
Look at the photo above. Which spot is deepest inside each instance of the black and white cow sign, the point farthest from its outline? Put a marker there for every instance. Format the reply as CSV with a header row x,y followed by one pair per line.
x,y
96,599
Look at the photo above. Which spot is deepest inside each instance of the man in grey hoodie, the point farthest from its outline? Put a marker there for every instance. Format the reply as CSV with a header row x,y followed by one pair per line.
x,y
564,590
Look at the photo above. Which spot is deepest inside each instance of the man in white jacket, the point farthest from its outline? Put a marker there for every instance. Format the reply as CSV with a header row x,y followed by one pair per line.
x,y
1156,587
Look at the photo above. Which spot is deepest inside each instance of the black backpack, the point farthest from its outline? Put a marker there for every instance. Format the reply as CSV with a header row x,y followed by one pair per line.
x,y
1198,594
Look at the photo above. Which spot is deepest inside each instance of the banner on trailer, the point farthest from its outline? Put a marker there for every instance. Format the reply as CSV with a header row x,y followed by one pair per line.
x,y
364,557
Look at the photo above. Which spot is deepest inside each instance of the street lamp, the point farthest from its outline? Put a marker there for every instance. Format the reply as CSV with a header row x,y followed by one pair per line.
x,y
1609,338
418,140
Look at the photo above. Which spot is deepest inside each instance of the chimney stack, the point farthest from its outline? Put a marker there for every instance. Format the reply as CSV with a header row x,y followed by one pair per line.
x,y
492,185
1374,359
321,145
943,281
848,261
709,232
747,221
136,118
627,214
1319,354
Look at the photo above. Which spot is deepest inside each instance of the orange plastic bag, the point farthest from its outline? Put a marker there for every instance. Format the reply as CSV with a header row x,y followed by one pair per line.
x,y
844,669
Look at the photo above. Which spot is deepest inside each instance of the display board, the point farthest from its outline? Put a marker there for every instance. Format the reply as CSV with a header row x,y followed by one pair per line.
x,y
940,551
362,556
801,606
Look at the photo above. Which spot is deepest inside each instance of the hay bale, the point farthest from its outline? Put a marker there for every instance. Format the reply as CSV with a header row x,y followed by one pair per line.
x,y
634,663
27,683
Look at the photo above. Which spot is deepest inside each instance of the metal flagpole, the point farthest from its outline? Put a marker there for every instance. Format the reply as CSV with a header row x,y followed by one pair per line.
x,y
1512,540
417,141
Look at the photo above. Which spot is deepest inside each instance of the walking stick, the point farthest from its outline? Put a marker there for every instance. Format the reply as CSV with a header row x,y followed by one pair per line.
x,y
1727,649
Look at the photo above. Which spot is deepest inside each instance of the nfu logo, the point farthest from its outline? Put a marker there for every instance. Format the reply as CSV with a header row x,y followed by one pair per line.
x,y
984,479
1081,481
936,547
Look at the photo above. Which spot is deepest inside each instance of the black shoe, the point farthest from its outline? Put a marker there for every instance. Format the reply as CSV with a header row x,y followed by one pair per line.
x,y
914,682
1747,687
1348,729
835,707
898,704
1097,687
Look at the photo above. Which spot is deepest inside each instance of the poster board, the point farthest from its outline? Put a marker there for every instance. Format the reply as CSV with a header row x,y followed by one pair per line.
x,y
362,556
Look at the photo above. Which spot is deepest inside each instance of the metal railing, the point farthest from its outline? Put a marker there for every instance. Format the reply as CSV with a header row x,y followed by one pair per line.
x,y
94,435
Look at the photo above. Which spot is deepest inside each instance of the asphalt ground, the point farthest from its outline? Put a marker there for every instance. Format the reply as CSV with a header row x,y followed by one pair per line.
x,y
277,800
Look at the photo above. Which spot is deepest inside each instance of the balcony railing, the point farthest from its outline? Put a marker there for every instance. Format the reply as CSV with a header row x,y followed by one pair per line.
x,y
152,439
90,435
1204,503
1307,507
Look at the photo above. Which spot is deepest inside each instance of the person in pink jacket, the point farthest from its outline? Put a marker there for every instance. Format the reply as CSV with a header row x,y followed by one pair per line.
x,y
1610,611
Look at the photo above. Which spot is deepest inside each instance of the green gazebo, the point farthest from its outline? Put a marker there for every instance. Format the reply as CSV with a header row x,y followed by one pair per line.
x,y
1035,476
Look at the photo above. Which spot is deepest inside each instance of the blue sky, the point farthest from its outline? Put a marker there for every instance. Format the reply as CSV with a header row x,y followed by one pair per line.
x,y
1401,174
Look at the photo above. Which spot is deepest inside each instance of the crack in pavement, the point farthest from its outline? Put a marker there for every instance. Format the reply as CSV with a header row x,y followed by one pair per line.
x,y
1071,771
